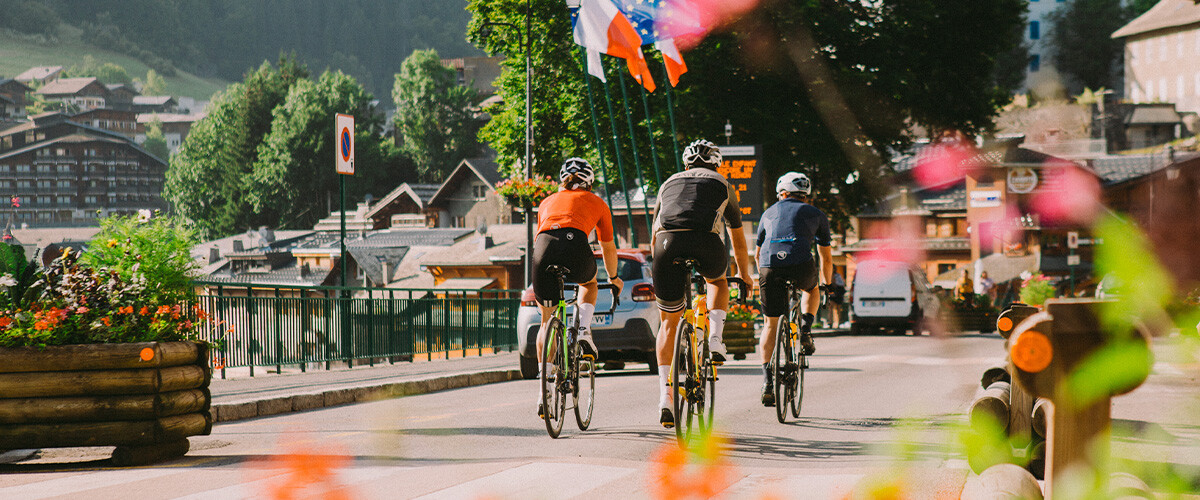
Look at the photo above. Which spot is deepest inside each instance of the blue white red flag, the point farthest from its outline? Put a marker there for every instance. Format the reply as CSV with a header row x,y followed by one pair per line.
x,y
600,27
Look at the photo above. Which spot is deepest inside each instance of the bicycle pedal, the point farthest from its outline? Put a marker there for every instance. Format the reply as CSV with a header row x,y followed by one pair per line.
x,y
588,356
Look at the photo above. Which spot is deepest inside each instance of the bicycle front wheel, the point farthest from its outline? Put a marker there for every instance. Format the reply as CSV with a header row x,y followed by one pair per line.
x,y
553,378
708,387
780,385
798,392
583,372
682,370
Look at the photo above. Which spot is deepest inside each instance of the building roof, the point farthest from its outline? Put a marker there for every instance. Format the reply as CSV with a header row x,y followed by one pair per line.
x,y
419,193
372,260
153,100
291,275
636,198
67,86
466,283
1154,115
170,117
502,244
1165,14
75,138
38,73
414,237
927,201
483,168
1118,168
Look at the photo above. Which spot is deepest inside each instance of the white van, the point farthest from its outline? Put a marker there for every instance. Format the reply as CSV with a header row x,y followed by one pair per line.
x,y
891,295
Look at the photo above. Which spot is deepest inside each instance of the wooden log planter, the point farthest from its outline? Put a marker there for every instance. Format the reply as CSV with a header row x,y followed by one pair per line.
x,y
739,338
144,398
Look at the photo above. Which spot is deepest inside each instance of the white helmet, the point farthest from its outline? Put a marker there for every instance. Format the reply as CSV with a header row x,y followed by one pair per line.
x,y
701,153
578,168
794,182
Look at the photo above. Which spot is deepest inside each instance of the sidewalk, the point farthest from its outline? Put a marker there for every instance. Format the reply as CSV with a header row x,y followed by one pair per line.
x,y
240,396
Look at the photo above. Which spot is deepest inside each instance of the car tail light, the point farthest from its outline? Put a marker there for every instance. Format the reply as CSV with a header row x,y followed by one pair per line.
x,y
643,292
913,288
528,298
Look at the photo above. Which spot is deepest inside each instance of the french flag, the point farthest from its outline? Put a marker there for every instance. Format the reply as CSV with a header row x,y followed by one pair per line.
x,y
600,27
673,60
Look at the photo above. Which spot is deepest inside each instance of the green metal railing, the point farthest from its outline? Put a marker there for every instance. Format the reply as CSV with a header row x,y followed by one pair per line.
x,y
263,325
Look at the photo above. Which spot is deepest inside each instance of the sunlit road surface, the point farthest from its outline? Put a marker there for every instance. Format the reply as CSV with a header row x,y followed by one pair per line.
x,y
876,408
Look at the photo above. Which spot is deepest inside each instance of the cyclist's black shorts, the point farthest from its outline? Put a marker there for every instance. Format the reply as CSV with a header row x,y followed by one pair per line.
x,y
670,279
566,247
772,284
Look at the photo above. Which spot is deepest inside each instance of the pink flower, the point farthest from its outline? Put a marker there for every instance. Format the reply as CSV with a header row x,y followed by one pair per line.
x,y
81,310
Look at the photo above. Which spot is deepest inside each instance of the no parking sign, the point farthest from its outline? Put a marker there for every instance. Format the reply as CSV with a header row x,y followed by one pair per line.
x,y
344,138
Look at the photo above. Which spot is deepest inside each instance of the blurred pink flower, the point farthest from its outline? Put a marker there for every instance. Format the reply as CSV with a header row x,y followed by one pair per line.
x,y
901,242
944,163
1071,196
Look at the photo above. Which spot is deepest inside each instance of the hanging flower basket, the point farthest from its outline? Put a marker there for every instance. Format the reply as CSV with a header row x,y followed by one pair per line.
x,y
519,191
741,330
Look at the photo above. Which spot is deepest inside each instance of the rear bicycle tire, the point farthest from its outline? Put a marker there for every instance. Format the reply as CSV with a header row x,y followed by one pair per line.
x,y
583,373
682,369
798,396
708,388
554,401
778,361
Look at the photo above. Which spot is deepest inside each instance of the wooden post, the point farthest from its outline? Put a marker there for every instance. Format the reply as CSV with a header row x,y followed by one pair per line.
x,y
1020,403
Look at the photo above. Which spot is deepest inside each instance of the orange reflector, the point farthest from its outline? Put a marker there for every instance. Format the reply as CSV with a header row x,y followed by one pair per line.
x,y
1004,324
1032,352
147,354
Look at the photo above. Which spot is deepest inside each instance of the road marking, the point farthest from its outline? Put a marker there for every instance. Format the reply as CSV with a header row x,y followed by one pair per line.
x,y
82,482
260,488
536,480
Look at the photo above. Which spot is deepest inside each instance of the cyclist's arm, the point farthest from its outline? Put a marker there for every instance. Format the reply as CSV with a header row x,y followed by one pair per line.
x,y
609,250
826,253
739,254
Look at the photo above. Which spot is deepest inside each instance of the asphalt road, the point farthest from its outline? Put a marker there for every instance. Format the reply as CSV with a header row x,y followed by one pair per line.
x,y
875,407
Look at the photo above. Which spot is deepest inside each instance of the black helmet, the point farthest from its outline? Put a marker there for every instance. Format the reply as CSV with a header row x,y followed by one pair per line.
x,y
702,153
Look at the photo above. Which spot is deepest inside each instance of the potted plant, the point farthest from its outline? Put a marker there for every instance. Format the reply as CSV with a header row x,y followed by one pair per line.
x,y
99,349
740,329
519,191
1035,289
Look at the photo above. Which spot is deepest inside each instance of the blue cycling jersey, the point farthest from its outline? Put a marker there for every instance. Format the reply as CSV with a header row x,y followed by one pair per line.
x,y
787,230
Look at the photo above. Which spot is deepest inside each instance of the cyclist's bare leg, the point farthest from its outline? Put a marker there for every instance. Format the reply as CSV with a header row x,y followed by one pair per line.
x,y
811,301
590,291
767,345
547,312
718,294
665,342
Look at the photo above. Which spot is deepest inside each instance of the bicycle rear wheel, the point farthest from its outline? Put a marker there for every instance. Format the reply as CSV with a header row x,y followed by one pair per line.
x,y
554,401
584,374
779,376
708,387
682,369
798,396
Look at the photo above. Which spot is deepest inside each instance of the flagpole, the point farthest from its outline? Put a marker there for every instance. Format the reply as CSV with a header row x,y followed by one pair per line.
x,y
528,43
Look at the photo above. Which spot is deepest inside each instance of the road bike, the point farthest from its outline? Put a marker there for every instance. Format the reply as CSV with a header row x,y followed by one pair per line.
x,y
693,374
570,373
789,362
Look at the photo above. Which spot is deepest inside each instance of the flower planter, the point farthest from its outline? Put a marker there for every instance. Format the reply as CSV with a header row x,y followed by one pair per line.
x,y
739,338
144,398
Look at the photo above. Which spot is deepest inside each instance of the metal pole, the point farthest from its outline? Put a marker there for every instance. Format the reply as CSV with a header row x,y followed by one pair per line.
x,y
528,42
671,113
347,337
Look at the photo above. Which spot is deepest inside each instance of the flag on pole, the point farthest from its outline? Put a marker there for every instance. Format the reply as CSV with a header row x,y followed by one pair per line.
x,y
600,27
658,22
673,60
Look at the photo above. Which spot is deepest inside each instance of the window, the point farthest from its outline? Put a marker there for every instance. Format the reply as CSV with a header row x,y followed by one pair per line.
x,y
24,184
1035,62
44,184
91,200
944,268
43,200
64,184
460,221
64,169
1035,30
43,169
5,168
479,191
22,168
64,200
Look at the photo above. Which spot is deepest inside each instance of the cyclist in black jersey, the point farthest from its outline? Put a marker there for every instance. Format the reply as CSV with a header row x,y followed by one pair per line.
x,y
786,232
691,214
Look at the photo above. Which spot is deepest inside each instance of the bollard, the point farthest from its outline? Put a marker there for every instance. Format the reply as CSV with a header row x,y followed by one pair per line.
x,y
1002,482
1045,349
1037,460
994,374
992,404
1039,417
1125,486
1020,402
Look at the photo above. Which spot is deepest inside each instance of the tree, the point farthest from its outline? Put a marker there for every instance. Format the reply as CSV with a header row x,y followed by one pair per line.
x,y
155,84
434,115
1082,46
206,178
156,141
828,88
294,173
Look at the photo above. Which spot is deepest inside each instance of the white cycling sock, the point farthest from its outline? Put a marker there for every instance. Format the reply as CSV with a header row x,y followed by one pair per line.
x,y
585,316
664,387
716,324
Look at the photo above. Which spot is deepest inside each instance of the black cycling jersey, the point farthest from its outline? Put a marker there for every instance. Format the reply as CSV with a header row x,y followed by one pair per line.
x,y
787,231
697,199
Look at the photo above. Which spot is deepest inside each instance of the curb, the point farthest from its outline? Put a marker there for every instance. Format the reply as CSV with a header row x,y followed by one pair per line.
x,y
14,456
241,410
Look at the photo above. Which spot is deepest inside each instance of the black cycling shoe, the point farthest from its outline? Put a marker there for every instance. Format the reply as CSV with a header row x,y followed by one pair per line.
x,y
717,358
541,410
667,419
806,342
768,397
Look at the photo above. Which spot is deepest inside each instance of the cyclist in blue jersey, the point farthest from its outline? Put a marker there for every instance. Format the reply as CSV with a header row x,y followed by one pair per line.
x,y
786,232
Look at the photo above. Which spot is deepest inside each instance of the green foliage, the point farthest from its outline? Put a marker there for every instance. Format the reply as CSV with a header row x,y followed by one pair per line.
x,y
28,16
85,305
154,84
18,277
107,73
1145,286
875,58
156,251
434,116
1113,369
206,180
1081,43
294,170
1036,289
156,141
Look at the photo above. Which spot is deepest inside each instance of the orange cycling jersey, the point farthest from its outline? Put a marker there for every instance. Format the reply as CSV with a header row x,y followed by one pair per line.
x,y
579,209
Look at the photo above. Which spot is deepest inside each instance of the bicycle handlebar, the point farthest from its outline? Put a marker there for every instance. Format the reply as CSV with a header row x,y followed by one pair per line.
x,y
616,295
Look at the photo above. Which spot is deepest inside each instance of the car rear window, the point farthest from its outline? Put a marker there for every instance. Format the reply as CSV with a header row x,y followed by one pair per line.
x,y
627,269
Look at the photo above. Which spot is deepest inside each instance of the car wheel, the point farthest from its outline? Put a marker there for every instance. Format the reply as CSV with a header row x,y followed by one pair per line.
x,y
529,368
652,361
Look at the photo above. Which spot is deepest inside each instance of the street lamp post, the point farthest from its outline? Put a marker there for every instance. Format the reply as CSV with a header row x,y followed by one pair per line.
x,y
525,42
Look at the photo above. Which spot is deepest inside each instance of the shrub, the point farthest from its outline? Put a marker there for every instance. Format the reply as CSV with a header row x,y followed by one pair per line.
x,y
1036,289
159,249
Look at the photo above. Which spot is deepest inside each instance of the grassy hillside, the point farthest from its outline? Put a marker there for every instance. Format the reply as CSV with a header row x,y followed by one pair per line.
x,y
18,54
